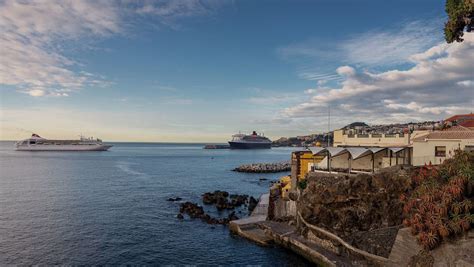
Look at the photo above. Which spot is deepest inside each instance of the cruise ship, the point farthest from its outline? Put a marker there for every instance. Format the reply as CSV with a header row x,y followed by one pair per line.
x,y
253,141
38,143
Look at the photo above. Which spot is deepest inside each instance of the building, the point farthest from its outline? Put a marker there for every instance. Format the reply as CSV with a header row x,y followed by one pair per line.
x,y
466,120
360,159
435,147
344,138
303,162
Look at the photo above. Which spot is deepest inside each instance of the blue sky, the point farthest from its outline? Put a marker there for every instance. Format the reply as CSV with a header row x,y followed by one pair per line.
x,y
203,70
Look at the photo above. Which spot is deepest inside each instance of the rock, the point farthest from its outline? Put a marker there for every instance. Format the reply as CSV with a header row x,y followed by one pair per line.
x,y
192,209
180,216
252,204
174,199
264,167
353,206
232,216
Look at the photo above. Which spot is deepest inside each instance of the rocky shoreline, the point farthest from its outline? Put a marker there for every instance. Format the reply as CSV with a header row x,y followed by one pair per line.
x,y
283,166
222,200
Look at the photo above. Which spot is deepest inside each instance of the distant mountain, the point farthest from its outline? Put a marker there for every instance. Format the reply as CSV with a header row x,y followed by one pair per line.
x,y
355,124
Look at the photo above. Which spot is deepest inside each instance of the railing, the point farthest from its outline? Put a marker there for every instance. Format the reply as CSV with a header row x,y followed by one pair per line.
x,y
362,253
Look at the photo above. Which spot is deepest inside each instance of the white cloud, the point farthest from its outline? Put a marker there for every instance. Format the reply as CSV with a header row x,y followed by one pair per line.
x,y
392,47
438,85
377,48
35,34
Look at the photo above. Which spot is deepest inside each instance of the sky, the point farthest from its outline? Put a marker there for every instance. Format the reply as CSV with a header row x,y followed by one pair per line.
x,y
200,71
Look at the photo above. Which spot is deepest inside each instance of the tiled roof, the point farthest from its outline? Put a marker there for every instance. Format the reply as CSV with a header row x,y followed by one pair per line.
x,y
469,123
458,128
447,135
461,116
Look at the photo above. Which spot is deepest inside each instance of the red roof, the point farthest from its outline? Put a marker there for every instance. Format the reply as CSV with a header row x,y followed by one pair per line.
x,y
469,124
469,116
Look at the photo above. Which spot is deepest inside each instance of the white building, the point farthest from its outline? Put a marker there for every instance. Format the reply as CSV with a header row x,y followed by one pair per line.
x,y
437,146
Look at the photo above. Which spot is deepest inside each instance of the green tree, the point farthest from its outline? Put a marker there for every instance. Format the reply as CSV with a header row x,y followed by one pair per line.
x,y
460,17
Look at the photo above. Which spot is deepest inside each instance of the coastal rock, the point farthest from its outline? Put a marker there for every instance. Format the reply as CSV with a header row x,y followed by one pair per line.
x,y
264,167
252,204
222,200
195,211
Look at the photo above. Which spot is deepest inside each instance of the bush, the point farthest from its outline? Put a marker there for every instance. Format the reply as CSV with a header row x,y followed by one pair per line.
x,y
440,205
302,184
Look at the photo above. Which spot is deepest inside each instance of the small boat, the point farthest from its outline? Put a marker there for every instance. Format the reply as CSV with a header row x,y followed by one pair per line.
x,y
253,141
38,143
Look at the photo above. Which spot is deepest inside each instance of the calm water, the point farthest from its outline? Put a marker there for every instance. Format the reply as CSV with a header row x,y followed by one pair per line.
x,y
110,207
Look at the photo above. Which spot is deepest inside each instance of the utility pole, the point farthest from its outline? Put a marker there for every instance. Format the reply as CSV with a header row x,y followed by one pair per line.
x,y
329,122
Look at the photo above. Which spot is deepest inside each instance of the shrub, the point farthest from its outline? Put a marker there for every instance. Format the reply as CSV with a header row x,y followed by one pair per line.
x,y
440,205
302,184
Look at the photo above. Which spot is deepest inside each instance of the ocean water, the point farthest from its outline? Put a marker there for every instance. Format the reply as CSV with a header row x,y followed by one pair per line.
x,y
98,208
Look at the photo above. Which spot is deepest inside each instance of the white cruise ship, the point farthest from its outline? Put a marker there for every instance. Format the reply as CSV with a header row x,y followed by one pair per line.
x,y
38,143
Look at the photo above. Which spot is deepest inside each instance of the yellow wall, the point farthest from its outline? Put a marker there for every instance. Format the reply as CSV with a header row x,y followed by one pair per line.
x,y
304,161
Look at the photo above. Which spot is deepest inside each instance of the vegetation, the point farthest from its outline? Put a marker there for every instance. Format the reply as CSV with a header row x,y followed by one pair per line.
x,y
460,16
302,184
441,203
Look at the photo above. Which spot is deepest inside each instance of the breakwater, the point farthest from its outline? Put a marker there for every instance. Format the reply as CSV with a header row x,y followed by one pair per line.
x,y
282,166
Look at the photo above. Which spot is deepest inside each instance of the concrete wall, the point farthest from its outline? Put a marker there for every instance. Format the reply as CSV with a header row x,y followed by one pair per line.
x,y
383,140
424,151
284,209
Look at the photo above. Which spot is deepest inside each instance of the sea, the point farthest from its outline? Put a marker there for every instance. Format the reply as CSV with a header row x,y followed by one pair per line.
x,y
111,208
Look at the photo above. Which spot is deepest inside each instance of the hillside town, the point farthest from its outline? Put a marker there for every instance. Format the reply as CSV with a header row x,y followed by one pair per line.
x,y
362,128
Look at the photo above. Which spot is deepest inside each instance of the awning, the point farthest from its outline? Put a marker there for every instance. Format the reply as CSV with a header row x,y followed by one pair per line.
x,y
316,150
334,151
358,152
396,149
376,149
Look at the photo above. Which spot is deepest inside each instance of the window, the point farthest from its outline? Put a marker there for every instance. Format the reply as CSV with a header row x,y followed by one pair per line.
x,y
440,151
469,148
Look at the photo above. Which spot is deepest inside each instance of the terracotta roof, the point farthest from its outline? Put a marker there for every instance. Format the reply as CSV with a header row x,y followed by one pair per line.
x,y
469,116
447,135
458,128
469,123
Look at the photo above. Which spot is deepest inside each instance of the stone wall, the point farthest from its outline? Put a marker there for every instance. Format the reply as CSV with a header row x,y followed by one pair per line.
x,y
347,205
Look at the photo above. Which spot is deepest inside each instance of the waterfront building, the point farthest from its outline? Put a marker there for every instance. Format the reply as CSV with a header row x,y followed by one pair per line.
x,y
343,138
435,147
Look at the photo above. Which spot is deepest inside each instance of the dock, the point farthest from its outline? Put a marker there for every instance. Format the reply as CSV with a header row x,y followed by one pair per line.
x,y
212,146
249,227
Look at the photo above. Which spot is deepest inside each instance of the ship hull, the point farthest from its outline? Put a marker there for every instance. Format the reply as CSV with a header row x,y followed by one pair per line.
x,y
101,147
249,145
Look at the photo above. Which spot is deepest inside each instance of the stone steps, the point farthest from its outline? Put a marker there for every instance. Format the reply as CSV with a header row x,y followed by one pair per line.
x,y
285,235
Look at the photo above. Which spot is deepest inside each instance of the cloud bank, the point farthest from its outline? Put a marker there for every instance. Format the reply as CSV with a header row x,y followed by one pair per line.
x,y
440,83
35,35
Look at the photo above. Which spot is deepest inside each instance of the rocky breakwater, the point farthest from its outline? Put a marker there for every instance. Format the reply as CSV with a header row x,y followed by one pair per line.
x,y
283,166
222,200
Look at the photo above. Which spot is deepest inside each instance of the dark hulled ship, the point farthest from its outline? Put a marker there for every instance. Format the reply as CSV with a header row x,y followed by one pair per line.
x,y
253,141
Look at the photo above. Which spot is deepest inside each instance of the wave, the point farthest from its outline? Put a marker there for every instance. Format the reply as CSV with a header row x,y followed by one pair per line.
x,y
126,167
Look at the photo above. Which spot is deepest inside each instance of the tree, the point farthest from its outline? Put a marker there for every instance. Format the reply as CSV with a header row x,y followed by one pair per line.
x,y
460,16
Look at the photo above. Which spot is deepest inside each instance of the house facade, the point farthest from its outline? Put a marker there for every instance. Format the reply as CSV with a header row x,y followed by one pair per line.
x,y
435,147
